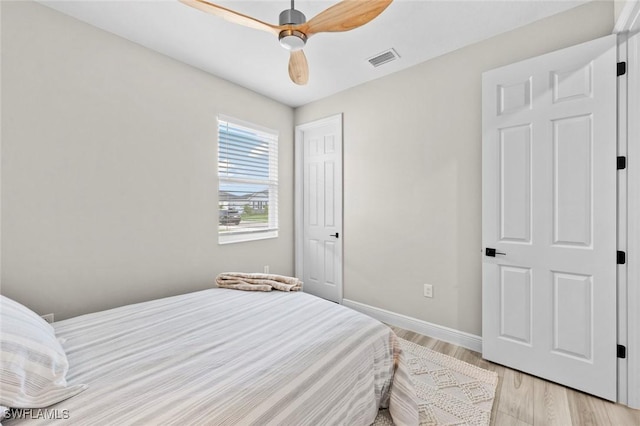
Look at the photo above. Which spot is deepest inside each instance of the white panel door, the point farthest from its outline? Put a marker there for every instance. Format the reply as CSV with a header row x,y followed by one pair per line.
x,y
549,211
321,267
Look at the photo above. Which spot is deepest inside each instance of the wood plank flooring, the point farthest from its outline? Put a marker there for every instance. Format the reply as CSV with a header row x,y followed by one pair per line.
x,y
526,400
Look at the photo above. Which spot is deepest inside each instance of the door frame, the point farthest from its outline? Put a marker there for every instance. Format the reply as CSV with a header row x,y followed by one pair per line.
x,y
628,30
299,195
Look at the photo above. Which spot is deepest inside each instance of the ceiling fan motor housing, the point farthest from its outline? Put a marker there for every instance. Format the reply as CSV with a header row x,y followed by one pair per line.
x,y
292,17
292,39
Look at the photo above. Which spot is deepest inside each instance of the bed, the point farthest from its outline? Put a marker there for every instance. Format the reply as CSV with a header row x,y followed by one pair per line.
x,y
229,357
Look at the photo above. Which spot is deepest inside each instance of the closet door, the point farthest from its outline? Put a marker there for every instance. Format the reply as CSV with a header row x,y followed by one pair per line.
x,y
319,250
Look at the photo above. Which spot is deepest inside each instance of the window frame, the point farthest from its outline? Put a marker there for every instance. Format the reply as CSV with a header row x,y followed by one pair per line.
x,y
272,182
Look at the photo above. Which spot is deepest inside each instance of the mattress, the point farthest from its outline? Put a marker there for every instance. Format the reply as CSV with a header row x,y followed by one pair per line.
x,y
227,357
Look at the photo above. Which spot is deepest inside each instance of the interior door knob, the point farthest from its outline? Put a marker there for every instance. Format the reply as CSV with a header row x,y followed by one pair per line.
x,y
491,252
337,235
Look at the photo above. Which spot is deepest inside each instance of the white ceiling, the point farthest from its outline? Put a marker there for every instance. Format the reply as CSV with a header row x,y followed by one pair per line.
x,y
417,29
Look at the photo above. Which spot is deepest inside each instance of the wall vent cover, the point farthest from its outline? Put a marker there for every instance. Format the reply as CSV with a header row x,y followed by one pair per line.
x,y
384,57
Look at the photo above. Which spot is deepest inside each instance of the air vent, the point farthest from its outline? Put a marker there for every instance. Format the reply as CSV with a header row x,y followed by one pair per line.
x,y
384,57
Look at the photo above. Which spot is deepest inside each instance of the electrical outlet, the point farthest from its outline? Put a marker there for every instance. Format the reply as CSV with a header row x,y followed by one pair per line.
x,y
428,290
266,269
48,318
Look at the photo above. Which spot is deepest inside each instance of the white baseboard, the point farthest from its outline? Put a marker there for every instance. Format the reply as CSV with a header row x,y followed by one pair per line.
x,y
446,334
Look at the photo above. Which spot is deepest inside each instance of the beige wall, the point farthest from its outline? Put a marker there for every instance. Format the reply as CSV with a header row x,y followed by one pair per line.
x,y
109,191
412,170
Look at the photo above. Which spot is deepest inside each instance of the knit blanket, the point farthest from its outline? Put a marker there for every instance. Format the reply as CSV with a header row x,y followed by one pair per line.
x,y
258,282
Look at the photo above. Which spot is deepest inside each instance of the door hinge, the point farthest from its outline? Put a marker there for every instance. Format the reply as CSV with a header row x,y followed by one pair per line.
x,y
622,163
622,351
622,258
622,68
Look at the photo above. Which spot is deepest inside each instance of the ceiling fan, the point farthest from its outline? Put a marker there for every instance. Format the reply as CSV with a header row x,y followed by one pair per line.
x,y
294,30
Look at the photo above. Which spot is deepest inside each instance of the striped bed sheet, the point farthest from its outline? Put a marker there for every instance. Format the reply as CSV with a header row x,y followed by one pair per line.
x,y
227,357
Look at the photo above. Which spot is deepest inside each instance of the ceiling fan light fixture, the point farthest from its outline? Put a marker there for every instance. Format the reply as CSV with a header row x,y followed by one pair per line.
x,y
292,39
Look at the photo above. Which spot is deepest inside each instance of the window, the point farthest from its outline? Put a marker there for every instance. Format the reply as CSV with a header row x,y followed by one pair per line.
x,y
248,181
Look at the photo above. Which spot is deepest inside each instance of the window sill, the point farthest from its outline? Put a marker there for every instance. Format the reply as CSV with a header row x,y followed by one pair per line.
x,y
247,236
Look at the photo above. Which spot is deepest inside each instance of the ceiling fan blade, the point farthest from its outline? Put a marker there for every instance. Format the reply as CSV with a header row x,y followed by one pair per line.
x,y
298,68
344,16
231,16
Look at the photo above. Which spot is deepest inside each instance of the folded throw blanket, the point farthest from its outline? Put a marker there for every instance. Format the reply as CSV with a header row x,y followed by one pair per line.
x,y
258,282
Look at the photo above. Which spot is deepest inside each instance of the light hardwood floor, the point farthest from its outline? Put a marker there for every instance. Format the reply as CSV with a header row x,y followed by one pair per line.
x,y
526,400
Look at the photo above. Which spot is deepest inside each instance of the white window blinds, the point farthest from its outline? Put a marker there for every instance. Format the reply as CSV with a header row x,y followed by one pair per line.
x,y
248,181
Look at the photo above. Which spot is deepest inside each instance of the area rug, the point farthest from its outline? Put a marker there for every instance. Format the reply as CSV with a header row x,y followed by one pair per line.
x,y
450,391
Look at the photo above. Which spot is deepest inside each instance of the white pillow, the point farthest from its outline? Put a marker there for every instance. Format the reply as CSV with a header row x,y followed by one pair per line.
x,y
33,365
